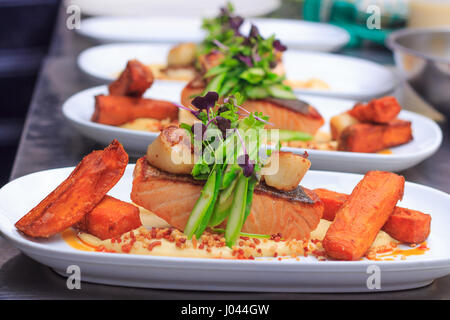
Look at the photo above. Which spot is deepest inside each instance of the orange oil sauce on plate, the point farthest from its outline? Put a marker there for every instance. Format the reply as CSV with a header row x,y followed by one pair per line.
x,y
386,151
70,237
402,253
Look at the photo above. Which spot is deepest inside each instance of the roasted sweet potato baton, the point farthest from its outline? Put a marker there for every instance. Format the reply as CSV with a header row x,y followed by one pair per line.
x,y
362,216
133,81
86,186
110,219
367,137
382,110
405,225
117,110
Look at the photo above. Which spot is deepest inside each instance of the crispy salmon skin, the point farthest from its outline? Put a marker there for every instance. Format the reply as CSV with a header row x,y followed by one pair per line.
x,y
172,197
86,186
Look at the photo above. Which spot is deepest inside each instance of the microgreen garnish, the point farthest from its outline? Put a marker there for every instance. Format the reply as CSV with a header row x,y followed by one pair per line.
x,y
230,163
221,29
247,62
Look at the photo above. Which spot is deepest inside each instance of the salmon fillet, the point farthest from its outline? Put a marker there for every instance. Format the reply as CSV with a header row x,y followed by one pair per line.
x,y
285,114
294,214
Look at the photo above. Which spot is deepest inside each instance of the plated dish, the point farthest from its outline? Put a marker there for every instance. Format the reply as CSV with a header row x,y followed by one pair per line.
x,y
346,79
427,135
234,212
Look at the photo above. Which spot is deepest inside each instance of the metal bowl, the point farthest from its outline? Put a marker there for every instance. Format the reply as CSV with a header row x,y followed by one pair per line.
x,y
422,57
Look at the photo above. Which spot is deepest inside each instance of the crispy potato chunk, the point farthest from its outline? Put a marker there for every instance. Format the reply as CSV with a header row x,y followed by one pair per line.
x,y
367,137
171,151
118,110
382,110
110,219
404,225
133,81
86,186
285,170
362,215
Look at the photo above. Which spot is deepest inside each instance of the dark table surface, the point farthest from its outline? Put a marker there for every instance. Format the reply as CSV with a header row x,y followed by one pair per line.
x,y
49,142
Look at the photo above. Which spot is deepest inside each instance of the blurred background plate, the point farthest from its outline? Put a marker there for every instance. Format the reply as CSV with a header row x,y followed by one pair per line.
x,y
293,33
179,8
347,77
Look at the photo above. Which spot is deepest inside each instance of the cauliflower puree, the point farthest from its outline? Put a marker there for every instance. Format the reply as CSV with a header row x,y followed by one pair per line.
x,y
156,237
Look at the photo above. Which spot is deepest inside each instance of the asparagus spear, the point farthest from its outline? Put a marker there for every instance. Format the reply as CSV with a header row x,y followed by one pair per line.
x,y
237,212
202,205
223,205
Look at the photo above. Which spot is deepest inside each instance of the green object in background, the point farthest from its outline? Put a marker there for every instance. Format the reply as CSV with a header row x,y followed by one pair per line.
x,y
352,16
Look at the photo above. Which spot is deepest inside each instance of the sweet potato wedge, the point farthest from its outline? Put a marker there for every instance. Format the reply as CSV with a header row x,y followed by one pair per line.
x,y
110,219
332,202
86,186
382,110
366,137
404,225
117,110
409,226
133,81
362,216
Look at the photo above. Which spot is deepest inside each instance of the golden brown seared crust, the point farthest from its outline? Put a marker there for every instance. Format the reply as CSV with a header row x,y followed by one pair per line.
x,y
294,214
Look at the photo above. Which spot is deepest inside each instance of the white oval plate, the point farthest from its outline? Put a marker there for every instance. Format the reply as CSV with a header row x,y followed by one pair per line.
x,y
346,76
196,8
293,33
288,275
79,108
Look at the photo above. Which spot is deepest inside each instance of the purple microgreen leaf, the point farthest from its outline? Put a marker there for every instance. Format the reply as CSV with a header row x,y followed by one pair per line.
x,y
279,46
206,102
254,32
245,59
246,164
235,24
223,124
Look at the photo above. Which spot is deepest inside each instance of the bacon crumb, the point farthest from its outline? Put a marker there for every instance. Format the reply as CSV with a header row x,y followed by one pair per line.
x,y
127,247
153,244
